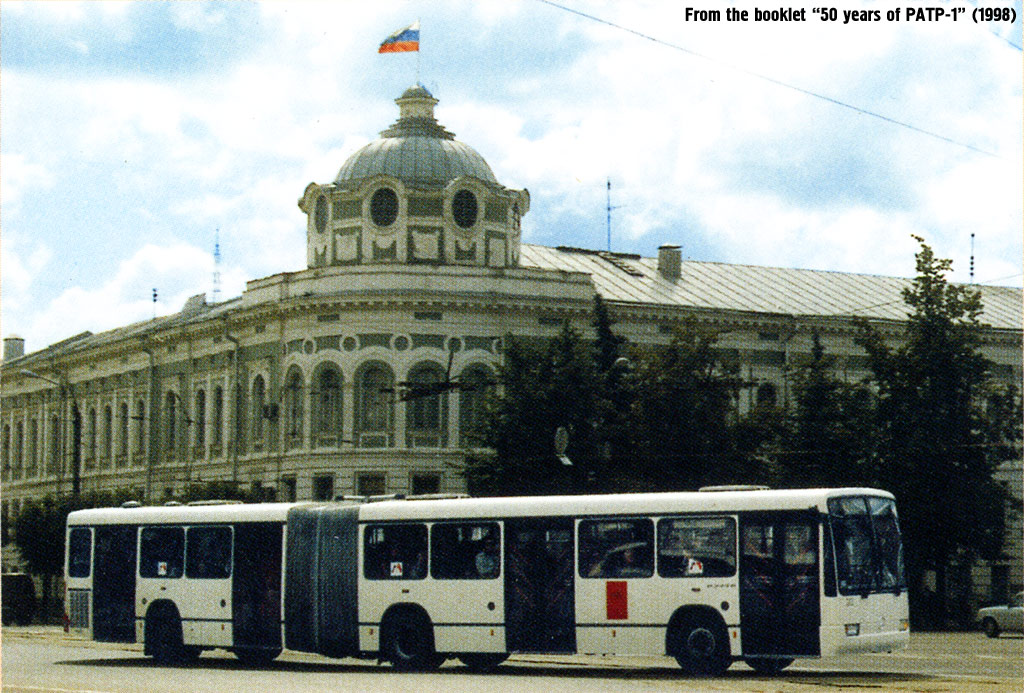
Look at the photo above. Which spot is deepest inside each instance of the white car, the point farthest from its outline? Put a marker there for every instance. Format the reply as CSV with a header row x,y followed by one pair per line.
x,y
1008,617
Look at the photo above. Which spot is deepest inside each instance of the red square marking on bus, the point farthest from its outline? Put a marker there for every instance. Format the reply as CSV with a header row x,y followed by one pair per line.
x,y
616,603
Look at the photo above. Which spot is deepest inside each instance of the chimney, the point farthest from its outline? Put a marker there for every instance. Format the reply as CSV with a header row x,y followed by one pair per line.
x,y
14,346
670,259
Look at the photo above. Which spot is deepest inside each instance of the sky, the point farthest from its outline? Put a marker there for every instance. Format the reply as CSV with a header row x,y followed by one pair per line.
x,y
133,133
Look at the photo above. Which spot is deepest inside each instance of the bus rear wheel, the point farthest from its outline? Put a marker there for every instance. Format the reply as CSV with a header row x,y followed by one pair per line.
x,y
769,666
164,639
701,646
256,656
408,642
483,662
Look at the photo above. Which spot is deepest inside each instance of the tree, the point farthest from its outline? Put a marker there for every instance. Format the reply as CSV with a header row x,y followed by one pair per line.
x,y
684,419
39,534
828,436
545,386
944,427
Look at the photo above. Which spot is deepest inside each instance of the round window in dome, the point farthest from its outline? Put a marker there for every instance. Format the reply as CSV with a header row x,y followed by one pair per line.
x,y
384,207
464,208
320,214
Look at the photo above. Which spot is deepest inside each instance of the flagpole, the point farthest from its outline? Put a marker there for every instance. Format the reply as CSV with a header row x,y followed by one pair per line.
x,y
418,53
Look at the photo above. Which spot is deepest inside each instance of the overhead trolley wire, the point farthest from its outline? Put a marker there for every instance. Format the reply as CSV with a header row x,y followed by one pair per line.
x,y
772,80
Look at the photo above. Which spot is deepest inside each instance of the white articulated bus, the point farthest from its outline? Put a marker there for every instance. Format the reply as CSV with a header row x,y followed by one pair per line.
x,y
706,577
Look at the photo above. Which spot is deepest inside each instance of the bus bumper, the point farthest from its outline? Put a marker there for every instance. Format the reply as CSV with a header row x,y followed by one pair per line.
x,y
839,640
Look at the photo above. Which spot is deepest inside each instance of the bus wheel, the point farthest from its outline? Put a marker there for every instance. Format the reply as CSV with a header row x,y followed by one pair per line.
x,y
701,646
767,665
409,642
256,656
483,662
164,638
990,627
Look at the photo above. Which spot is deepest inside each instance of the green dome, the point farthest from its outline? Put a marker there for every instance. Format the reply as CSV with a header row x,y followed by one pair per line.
x,y
416,149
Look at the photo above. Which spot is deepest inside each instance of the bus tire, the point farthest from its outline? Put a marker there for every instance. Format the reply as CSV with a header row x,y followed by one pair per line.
x,y
482,662
768,666
990,627
256,656
700,644
164,640
408,641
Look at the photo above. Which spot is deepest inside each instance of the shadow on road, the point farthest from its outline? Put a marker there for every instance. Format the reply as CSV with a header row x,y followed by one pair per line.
x,y
578,671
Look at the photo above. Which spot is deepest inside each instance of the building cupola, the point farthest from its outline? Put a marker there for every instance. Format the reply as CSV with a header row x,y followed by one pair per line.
x,y
415,195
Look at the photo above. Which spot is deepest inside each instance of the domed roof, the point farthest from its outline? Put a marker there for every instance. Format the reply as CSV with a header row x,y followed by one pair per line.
x,y
416,149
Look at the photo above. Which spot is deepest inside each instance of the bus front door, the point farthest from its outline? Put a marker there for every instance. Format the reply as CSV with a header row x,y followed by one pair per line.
x,y
779,603
540,611
113,595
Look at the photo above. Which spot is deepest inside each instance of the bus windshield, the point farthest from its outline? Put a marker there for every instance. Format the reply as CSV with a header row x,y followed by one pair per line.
x,y
869,551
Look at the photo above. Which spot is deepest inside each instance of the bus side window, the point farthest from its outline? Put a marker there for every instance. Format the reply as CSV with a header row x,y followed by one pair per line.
x,y
162,552
465,551
80,553
208,553
616,548
395,552
697,547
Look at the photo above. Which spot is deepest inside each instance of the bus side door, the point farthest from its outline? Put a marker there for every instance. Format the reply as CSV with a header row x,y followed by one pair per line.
x,y
540,612
779,587
113,595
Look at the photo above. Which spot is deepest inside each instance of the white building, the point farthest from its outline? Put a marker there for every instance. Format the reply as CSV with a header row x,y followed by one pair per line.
x,y
416,273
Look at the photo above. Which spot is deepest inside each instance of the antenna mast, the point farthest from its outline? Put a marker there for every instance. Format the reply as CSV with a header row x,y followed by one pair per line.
x,y
609,209
216,266
972,257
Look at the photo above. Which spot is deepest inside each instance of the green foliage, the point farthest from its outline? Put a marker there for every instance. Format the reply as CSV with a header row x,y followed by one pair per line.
x,y
545,387
829,434
944,424
685,432
225,490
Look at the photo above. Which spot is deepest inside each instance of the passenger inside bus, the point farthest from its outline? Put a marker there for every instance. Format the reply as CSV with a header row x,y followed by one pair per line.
x,y
487,559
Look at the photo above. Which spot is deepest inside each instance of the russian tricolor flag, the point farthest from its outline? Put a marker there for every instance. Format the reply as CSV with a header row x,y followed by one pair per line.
x,y
402,41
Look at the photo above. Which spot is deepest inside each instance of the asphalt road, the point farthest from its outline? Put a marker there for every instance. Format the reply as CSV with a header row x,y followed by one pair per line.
x,y
44,660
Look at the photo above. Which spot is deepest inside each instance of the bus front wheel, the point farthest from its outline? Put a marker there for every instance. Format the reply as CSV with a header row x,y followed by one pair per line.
x,y
990,627
408,642
701,646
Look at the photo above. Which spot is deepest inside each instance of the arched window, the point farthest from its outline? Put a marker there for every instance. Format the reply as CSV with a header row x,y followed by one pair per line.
x,y
766,395
140,427
426,411
294,395
108,431
122,432
19,444
374,405
476,381
93,429
240,418
218,417
55,445
5,441
326,403
259,401
33,446
170,422
200,422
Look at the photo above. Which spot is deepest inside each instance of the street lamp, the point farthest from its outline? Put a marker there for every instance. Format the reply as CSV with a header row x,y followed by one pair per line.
x,y
66,389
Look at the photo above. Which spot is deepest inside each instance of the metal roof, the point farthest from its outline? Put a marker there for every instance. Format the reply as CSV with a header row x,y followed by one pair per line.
x,y
626,278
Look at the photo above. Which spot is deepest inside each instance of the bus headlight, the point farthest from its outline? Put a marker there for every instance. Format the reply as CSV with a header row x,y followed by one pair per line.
x,y
852,629
904,624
